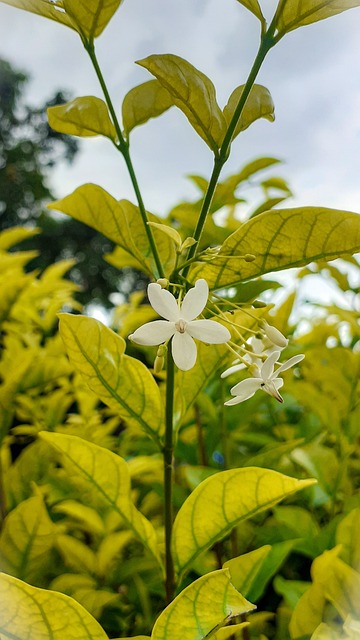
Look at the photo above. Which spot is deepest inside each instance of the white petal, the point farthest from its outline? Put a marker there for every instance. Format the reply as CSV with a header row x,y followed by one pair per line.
x,y
267,368
183,351
272,389
275,335
153,333
290,363
233,369
208,331
246,388
233,401
195,300
163,302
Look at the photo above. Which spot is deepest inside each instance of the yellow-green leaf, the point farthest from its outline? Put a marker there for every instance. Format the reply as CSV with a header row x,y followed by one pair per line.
x,y
222,501
292,14
120,381
120,222
44,8
85,116
259,104
201,609
76,555
281,239
91,16
26,540
83,515
148,100
193,92
254,7
107,476
44,614
15,235
245,568
169,231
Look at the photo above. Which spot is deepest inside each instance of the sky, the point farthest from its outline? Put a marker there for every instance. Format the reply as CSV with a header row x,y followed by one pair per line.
x,y
313,75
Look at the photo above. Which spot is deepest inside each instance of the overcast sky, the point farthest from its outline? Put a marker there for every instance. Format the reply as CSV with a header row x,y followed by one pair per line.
x,y
313,75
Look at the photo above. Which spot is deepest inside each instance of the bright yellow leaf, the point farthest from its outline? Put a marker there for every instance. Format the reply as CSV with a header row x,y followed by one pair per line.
x,y
222,501
292,14
259,104
86,116
148,100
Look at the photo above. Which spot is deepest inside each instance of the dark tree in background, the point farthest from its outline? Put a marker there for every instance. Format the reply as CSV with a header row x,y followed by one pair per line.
x,y
29,149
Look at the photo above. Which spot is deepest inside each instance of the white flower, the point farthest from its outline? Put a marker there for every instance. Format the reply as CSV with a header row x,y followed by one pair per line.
x,y
180,323
274,335
265,378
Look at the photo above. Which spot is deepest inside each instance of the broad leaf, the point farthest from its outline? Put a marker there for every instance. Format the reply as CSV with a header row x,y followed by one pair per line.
x,y
86,116
244,569
15,235
44,614
44,8
148,100
259,104
292,14
254,7
120,222
107,476
201,609
120,381
26,540
92,16
222,501
193,92
281,239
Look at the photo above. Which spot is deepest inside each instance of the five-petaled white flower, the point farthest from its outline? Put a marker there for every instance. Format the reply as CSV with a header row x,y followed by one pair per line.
x,y
180,323
264,377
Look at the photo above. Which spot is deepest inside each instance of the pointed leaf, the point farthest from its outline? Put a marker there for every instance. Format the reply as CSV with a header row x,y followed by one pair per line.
x,y
254,7
245,568
222,501
86,116
44,8
15,235
44,614
26,540
281,239
121,223
259,104
292,14
200,609
193,92
148,100
91,16
122,382
107,475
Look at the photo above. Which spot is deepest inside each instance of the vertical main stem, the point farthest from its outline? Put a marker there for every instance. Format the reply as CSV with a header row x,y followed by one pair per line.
x,y
168,453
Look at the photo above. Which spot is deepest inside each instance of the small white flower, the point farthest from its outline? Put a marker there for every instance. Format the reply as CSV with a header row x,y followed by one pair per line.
x,y
274,335
180,323
265,378
259,348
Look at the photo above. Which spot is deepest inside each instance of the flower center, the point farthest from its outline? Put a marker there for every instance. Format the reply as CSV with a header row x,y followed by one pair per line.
x,y
180,325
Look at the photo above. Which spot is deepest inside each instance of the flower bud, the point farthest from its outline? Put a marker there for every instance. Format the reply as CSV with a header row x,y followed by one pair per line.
x,y
274,335
163,282
160,359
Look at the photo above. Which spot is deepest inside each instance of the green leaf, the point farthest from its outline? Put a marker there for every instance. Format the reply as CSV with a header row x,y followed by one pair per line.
x,y
84,516
107,476
282,239
259,104
44,614
222,501
120,381
86,116
26,540
92,16
201,609
254,7
148,100
15,235
292,14
44,8
193,92
120,222
76,555
245,568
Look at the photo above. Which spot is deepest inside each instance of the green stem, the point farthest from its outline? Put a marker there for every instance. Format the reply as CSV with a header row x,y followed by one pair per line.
x,y
266,43
168,453
123,147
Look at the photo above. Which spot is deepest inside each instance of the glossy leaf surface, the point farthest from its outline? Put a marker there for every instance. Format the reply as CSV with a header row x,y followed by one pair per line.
x,y
121,223
148,100
44,614
98,354
292,14
259,104
193,92
85,116
107,476
223,500
203,607
281,239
